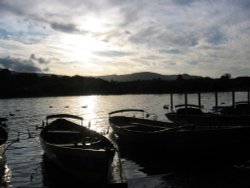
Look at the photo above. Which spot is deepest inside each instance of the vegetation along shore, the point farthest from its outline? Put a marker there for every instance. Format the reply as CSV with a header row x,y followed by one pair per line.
x,y
40,85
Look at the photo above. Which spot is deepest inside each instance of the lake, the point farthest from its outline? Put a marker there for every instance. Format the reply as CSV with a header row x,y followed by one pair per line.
x,y
25,165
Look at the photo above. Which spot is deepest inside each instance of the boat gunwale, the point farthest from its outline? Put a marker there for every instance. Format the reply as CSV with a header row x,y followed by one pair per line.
x,y
126,110
188,105
54,116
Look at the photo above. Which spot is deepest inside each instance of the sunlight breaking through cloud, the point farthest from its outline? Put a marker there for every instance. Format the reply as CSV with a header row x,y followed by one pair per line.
x,y
198,37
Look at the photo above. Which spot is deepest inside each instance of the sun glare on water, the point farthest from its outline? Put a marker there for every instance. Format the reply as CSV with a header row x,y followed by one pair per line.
x,y
89,103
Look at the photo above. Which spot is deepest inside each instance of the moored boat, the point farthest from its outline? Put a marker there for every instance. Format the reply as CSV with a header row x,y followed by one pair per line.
x,y
183,139
236,114
82,152
135,125
3,135
221,115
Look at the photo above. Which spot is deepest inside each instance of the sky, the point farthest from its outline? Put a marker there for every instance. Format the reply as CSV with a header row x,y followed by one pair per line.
x,y
94,38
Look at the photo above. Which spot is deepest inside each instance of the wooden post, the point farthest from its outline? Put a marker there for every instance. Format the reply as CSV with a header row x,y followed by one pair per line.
x,y
171,102
216,99
248,96
199,100
233,99
186,100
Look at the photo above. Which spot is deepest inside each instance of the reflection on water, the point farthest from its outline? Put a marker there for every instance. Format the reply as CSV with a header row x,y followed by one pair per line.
x,y
159,170
91,112
5,173
54,177
29,169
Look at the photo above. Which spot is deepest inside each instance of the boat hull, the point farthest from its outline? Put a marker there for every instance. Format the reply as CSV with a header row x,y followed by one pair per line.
x,y
85,165
83,153
199,141
3,138
210,119
2,150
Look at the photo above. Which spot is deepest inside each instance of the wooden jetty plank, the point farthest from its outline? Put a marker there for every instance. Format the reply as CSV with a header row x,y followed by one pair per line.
x,y
149,181
117,178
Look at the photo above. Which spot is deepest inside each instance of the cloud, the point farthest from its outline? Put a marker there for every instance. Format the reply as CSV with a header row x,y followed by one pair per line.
x,y
142,34
39,60
215,36
193,63
6,6
19,65
3,33
113,53
33,64
170,51
67,28
151,57
183,2
168,63
238,71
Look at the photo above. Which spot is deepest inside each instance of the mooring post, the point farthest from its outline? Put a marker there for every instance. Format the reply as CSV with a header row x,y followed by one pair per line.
x,y
186,100
199,100
233,99
216,99
171,102
248,96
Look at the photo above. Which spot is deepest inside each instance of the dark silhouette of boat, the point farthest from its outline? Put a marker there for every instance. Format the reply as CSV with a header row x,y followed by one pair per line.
x,y
3,135
82,152
136,124
223,116
236,114
180,139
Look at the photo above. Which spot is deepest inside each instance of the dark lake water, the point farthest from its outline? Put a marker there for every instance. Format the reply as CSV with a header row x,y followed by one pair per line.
x,y
25,166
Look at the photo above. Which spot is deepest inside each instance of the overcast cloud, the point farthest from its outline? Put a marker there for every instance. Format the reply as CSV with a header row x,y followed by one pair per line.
x,y
198,37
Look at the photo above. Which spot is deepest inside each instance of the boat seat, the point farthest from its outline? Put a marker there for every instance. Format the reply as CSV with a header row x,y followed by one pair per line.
x,y
62,131
189,111
133,124
128,126
62,137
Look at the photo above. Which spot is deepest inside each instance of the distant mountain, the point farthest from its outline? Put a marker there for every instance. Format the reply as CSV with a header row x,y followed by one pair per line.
x,y
145,76
120,78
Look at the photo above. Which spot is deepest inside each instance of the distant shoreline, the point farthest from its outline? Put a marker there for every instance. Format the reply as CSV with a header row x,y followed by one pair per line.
x,y
27,85
51,96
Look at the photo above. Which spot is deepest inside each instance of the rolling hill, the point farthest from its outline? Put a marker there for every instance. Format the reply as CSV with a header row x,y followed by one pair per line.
x,y
145,76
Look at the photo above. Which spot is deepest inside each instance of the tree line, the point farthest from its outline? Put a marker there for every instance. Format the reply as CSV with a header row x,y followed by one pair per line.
x,y
38,85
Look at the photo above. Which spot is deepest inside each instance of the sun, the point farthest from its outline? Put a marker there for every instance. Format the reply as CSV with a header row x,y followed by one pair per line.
x,y
85,49
95,25
80,48
83,46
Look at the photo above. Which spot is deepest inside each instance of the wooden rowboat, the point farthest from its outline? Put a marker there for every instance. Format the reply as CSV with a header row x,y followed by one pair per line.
x,y
82,152
135,125
3,135
181,139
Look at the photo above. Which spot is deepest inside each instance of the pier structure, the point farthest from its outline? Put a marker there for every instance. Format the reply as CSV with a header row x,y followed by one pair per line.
x,y
199,105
